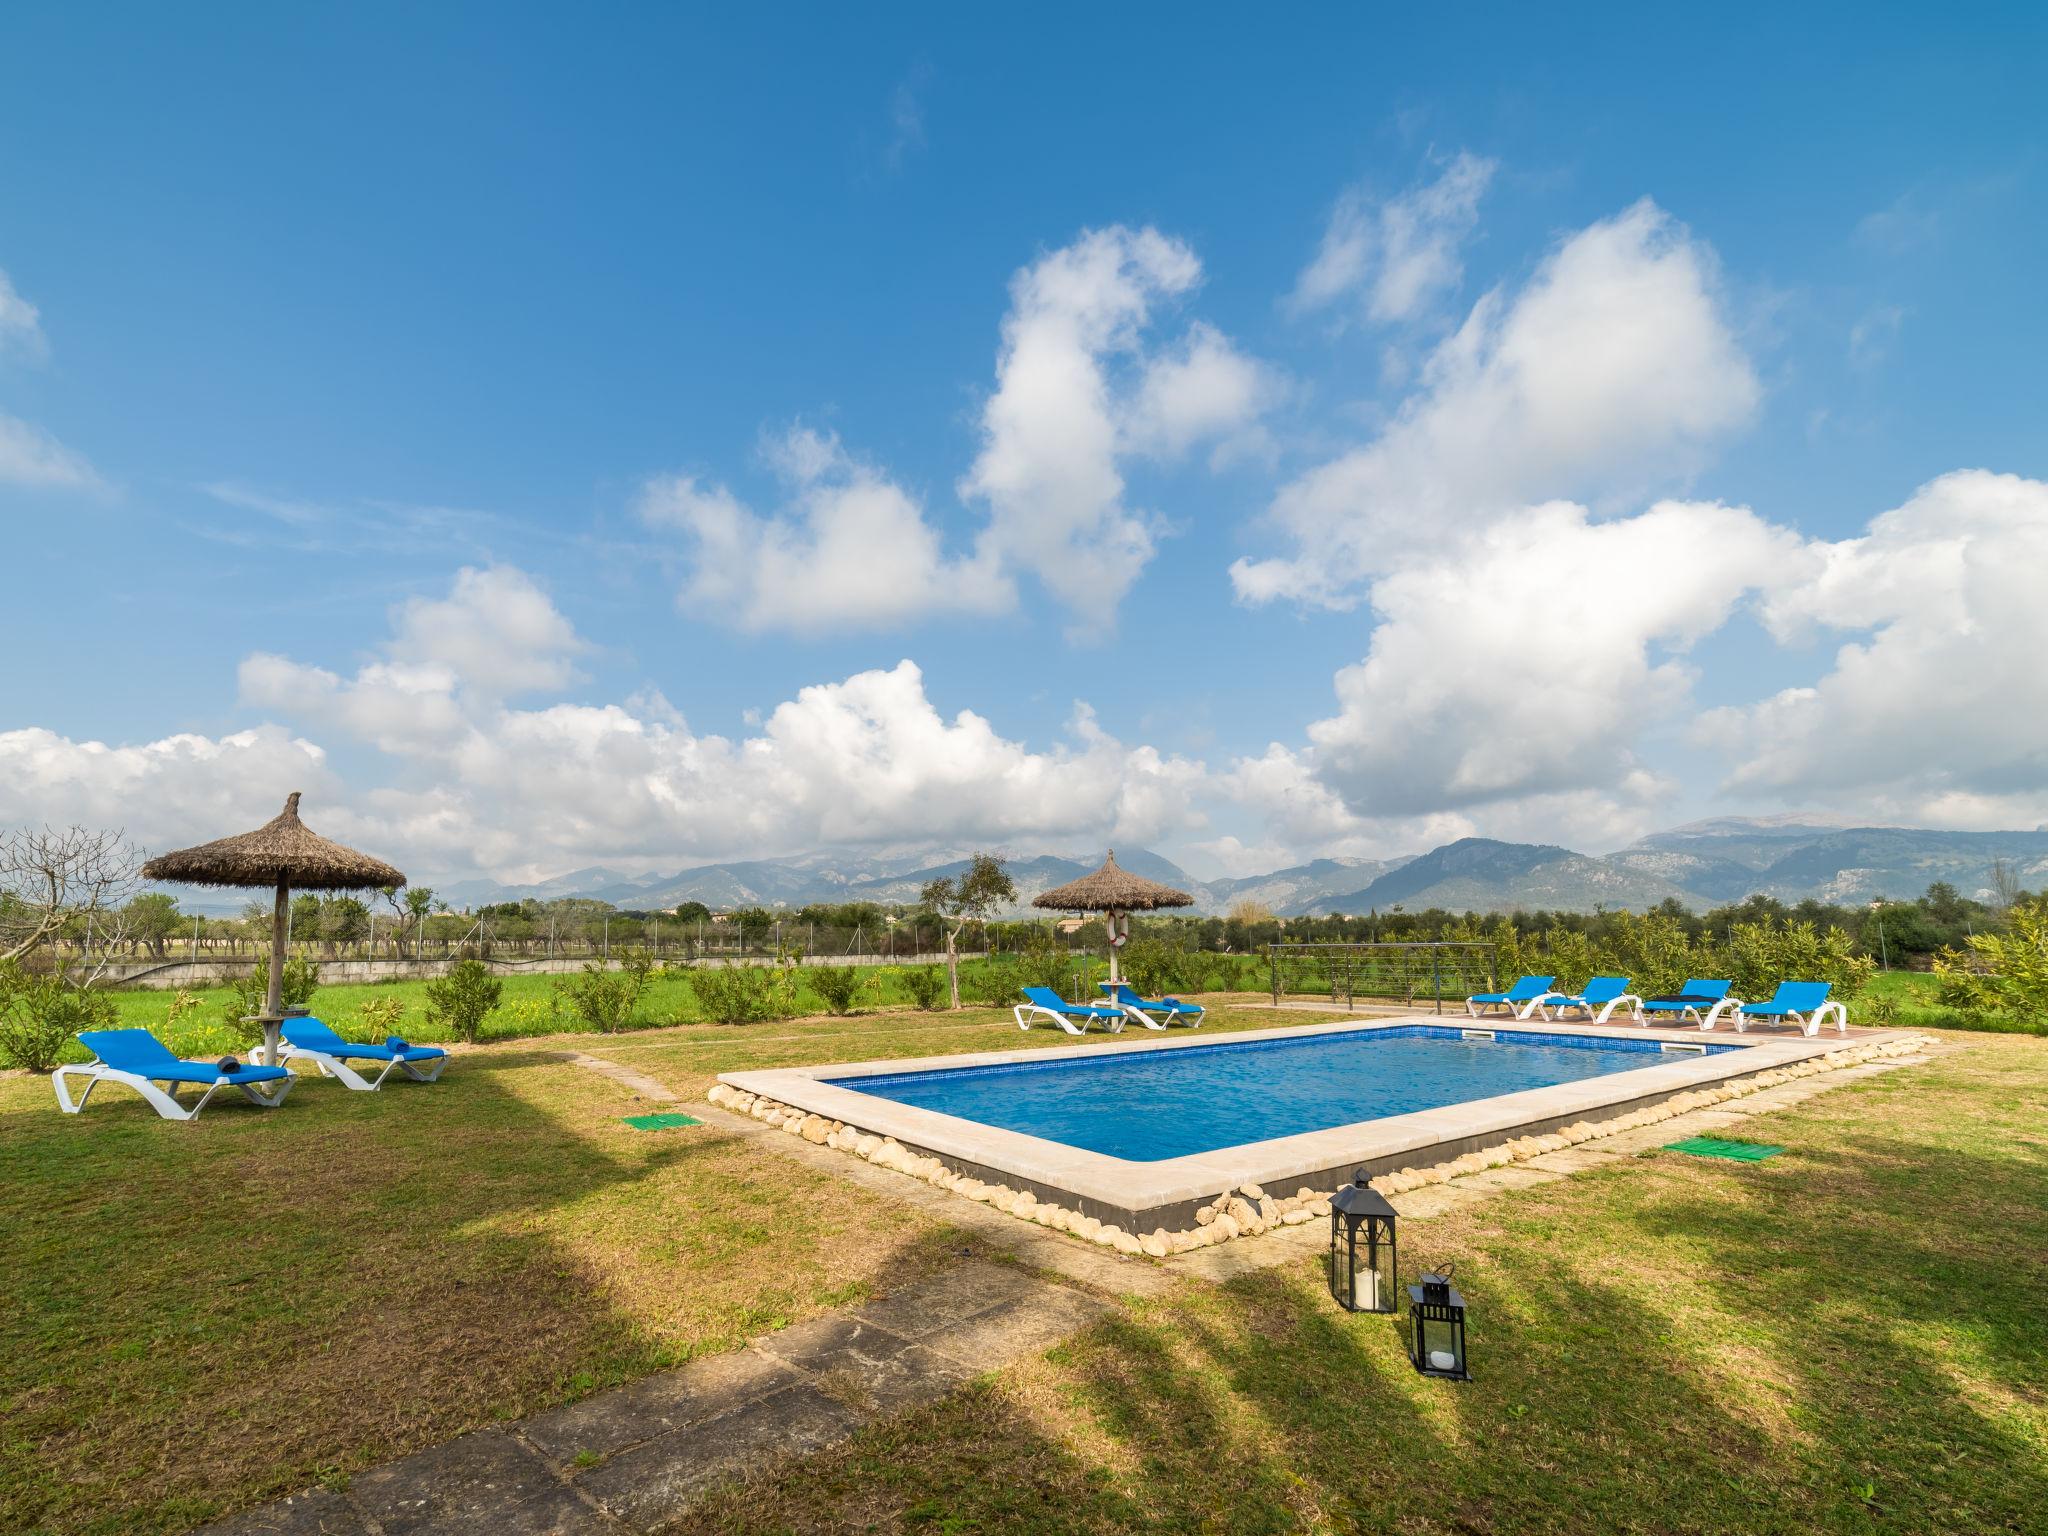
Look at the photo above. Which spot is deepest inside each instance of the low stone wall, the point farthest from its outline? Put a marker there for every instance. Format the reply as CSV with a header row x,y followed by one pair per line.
x,y
1250,1209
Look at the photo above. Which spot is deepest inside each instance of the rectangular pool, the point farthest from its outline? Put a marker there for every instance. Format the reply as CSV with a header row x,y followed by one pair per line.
x,y
1152,1106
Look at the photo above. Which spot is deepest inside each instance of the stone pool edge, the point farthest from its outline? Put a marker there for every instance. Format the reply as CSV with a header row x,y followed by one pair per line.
x,y
1127,1198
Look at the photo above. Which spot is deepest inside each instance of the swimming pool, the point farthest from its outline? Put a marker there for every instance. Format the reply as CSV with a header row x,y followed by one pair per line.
x,y
1157,1105
1258,1103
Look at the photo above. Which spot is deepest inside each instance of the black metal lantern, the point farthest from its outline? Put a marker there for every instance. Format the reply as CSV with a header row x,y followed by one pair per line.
x,y
1362,1249
1436,1327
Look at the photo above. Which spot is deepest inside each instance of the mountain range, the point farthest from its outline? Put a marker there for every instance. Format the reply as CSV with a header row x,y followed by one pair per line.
x,y
1704,864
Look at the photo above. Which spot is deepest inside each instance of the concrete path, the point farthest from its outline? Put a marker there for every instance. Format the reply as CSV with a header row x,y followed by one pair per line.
x,y
633,1459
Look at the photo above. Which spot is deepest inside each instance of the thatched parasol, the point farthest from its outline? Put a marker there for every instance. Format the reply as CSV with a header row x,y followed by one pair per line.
x,y
279,853
1117,892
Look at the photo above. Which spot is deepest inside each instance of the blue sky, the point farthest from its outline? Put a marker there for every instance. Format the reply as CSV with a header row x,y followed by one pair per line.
x,y
1386,427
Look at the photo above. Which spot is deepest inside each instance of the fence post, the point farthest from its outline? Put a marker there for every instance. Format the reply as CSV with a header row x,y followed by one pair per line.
x,y
1273,960
1436,977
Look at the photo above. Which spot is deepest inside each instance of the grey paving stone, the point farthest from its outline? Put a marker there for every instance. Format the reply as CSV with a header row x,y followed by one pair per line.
x,y
1511,1176
1574,1160
649,1485
961,1291
611,1421
485,1481
910,1379
1434,1199
839,1339
316,1512
1014,1329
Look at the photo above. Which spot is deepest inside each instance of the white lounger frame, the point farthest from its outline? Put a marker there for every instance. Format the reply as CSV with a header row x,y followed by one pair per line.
x,y
338,1068
269,1093
1553,1007
1515,1010
1713,1015
1138,1015
1024,1013
1809,1023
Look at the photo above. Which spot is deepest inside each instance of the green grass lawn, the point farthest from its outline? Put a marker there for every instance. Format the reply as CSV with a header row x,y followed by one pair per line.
x,y
201,1316
1848,1337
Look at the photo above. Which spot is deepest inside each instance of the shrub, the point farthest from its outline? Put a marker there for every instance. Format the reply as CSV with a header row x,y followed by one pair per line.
x,y
464,998
1044,962
380,1016
926,985
992,984
604,999
40,1016
1760,955
1157,969
247,996
2014,986
841,986
736,994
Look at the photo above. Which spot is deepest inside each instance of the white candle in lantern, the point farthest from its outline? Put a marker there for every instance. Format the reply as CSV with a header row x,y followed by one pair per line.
x,y
1442,1360
1365,1290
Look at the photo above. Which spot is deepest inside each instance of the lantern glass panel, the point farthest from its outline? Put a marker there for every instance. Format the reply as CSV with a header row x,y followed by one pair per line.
x,y
1437,1333
1361,1261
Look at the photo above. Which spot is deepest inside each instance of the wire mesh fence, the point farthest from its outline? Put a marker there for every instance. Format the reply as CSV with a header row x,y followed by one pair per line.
x,y
1405,973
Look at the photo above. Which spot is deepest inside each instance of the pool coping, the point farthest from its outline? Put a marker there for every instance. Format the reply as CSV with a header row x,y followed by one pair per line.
x,y
1141,1195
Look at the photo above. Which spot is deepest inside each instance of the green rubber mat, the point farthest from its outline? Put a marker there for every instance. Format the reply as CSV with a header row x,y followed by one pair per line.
x,y
660,1122
1709,1146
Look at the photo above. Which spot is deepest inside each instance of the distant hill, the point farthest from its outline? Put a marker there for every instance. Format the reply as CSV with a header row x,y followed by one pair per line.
x,y
1707,864
1704,864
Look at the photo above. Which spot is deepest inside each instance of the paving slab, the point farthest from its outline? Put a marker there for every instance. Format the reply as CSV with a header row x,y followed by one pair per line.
x,y
1574,1160
317,1512
610,1421
483,1482
1010,1330
1435,1199
956,1292
908,1380
1513,1176
841,1339
1248,1255
649,1486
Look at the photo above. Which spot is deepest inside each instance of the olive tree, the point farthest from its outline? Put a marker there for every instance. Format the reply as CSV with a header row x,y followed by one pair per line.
x,y
968,897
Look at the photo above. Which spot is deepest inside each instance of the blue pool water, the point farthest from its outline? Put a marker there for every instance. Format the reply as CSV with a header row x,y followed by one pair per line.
x,y
1150,1105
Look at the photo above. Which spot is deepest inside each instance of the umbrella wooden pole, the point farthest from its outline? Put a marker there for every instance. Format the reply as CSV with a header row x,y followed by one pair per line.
x,y
273,1002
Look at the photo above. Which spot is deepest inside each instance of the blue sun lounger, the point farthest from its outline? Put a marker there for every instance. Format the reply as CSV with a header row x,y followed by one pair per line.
x,y
1805,1003
1700,999
136,1059
1520,999
1597,1000
1046,1003
1142,1010
308,1039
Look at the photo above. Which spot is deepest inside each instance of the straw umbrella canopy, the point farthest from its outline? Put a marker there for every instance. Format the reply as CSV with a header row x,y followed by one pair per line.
x,y
1117,892
284,854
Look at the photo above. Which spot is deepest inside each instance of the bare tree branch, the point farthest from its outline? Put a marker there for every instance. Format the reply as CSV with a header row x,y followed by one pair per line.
x,y
50,879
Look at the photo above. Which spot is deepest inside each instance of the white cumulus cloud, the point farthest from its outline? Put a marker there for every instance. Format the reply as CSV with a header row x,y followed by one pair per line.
x,y
1082,385
1399,255
1612,367
852,549
1936,711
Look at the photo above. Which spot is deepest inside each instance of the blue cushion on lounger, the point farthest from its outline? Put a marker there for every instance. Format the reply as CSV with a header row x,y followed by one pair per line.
x,y
310,1034
140,1053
